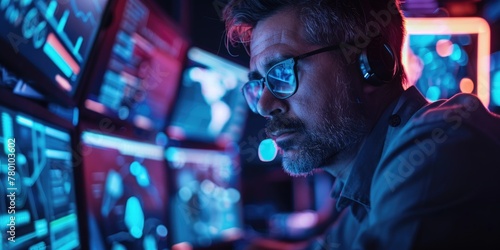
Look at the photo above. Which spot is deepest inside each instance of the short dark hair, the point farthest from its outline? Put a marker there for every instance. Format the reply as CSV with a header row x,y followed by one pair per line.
x,y
326,22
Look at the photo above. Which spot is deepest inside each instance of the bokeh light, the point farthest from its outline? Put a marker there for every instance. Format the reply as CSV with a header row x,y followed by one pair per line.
x,y
433,93
466,85
444,47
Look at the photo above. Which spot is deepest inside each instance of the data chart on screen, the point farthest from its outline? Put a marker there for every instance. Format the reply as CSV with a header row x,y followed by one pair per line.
x,y
54,37
139,79
40,196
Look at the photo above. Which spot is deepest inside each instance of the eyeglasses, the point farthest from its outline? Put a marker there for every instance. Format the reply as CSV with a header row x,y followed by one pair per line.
x,y
280,79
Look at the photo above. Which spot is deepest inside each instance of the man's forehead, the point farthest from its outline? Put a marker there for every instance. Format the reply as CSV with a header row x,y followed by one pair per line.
x,y
262,40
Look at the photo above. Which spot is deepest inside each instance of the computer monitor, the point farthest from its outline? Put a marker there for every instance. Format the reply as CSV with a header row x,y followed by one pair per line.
x,y
48,42
205,200
38,206
126,193
446,56
210,106
138,71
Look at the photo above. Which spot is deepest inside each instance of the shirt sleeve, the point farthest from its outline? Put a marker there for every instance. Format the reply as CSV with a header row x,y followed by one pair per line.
x,y
437,186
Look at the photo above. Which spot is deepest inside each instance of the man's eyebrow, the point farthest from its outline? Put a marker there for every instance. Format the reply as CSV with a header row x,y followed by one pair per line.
x,y
254,75
275,60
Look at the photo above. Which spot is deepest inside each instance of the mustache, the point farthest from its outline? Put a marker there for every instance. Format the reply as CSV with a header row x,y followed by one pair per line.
x,y
278,123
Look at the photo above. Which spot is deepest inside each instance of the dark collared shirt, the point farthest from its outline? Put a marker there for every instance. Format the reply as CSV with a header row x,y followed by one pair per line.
x,y
427,177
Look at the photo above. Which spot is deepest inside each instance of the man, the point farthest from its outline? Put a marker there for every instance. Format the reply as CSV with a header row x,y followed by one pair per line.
x,y
328,77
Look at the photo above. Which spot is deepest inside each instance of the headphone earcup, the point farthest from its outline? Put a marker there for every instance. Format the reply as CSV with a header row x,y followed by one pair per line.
x,y
378,63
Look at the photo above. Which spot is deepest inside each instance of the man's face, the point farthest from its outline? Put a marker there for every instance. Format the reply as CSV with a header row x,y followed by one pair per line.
x,y
322,119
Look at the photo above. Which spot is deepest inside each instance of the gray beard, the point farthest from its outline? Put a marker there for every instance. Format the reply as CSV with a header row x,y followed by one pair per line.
x,y
316,149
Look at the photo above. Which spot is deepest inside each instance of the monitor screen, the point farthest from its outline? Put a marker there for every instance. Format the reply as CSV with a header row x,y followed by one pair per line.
x,y
447,56
126,193
210,105
205,200
141,75
49,39
38,205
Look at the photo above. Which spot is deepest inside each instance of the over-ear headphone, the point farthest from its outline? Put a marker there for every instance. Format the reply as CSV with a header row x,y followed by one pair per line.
x,y
378,62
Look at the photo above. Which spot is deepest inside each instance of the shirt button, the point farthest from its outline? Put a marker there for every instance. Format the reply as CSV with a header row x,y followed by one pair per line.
x,y
394,120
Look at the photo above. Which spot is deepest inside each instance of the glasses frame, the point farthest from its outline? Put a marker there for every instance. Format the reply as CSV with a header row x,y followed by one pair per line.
x,y
264,80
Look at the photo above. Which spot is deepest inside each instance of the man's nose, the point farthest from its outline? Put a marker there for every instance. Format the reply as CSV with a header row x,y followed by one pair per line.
x,y
268,105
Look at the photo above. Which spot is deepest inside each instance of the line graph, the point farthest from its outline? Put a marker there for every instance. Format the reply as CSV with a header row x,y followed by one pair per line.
x,y
83,15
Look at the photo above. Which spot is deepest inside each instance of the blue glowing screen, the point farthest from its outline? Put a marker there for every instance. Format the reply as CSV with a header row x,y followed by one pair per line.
x,y
125,190
55,36
495,81
205,202
210,105
443,65
141,75
39,199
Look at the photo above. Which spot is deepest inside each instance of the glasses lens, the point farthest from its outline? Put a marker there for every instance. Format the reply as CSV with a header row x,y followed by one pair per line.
x,y
252,91
281,79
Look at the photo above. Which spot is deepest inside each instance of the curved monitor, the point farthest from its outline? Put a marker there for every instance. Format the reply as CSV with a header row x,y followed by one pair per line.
x,y
48,42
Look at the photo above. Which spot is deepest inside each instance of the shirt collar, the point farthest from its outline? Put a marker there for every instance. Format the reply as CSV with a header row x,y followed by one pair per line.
x,y
356,190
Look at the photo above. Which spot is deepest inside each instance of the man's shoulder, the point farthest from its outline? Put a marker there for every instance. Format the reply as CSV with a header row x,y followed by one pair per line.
x,y
436,184
459,114
456,136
